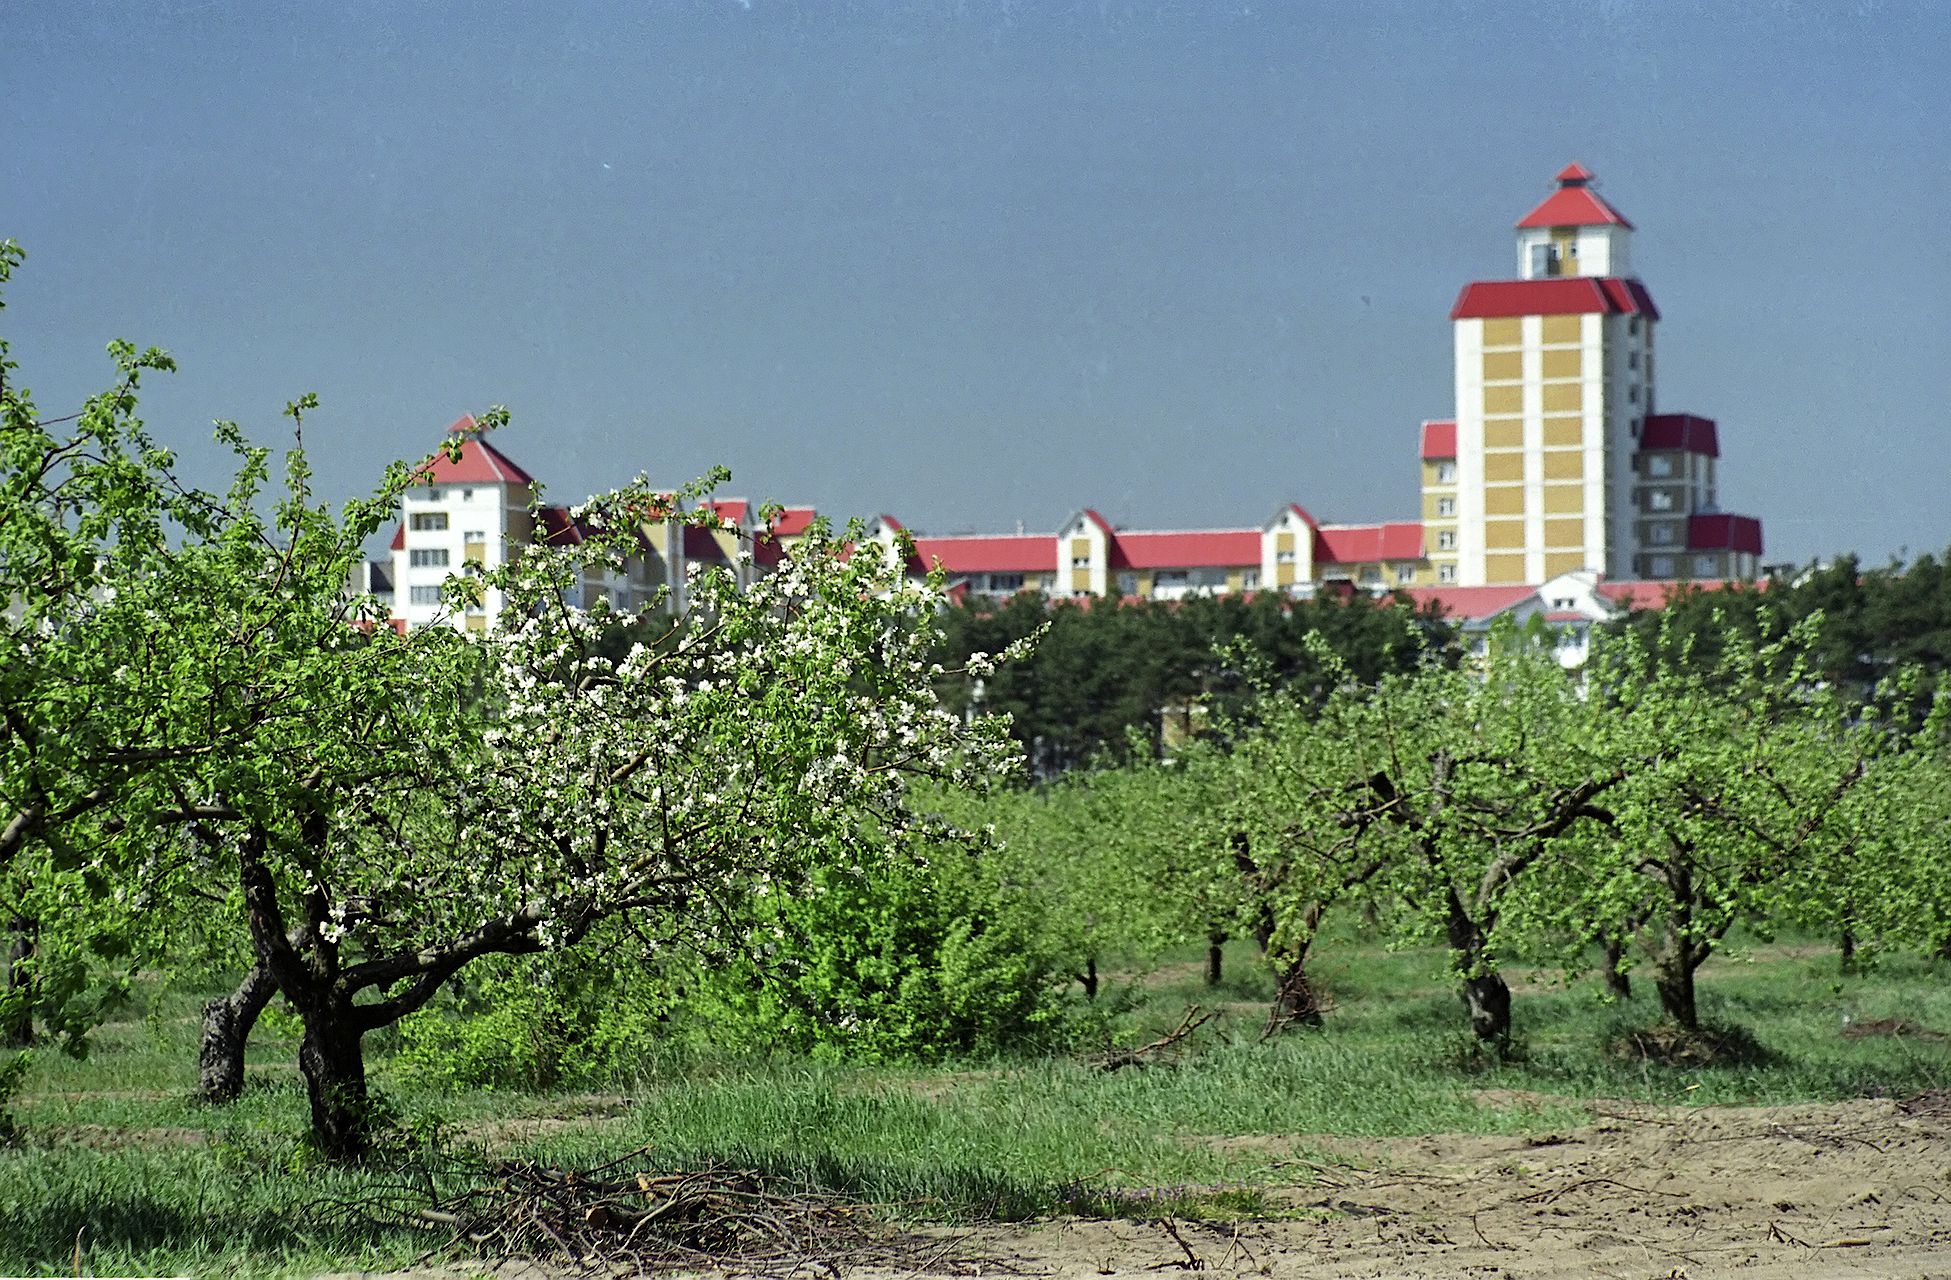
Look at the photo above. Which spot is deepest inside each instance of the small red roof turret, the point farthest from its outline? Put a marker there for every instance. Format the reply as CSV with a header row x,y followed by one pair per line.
x,y
1574,204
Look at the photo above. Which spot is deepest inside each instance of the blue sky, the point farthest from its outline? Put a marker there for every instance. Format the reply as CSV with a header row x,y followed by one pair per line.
x,y
979,263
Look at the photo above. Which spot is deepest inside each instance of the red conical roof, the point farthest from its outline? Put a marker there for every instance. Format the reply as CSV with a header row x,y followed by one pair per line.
x,y
479,463
1574,204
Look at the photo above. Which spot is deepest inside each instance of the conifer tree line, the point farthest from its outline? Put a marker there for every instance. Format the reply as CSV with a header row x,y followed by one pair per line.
x,y
828,813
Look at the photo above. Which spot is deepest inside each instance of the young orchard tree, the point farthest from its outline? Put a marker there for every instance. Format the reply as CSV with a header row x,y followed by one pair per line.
x,y
1454,785
1740,802
1115,856
1889,873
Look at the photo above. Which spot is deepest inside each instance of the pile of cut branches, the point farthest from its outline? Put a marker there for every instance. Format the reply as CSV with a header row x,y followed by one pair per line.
x,y
629,1215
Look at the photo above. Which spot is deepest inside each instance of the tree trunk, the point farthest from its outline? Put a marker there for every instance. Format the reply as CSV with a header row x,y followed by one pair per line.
x,y
1294,998
1618,985
1089,978
227,1023
1675,983
1215,958
1485,995
18,1030
333,1061
1673,972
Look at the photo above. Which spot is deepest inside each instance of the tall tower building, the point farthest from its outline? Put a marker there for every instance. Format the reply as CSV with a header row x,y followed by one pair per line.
x,y
1554,392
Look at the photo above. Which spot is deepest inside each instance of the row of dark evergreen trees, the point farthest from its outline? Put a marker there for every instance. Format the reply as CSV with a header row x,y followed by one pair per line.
x,y
1109,668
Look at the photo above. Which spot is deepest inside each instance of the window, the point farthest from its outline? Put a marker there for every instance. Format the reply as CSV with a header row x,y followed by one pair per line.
x,y
1446,539
436,495
1632,359
425,557
467,495
1660,535
1446,473
1005,582
1250,580
1372,575
475,535
1705,566
1170,578
424,595
1661,566
1283,557
1080,562
1127,584
1659,465
1446,573
1446,506
1405,574
1544,260
1632,326
1632,393
429,521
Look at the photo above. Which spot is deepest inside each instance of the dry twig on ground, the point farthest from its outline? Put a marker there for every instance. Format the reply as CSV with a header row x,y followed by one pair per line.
x,y
1118,1059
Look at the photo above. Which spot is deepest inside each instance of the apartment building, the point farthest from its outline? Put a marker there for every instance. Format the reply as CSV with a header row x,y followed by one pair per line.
x,y
1558,458
476,511
1557,462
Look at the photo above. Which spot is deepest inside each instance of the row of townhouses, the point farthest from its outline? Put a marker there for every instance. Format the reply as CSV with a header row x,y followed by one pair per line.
x,y
1557,486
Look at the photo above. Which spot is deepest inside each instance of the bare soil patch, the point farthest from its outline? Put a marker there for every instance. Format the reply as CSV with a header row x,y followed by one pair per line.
x,y
1843,1189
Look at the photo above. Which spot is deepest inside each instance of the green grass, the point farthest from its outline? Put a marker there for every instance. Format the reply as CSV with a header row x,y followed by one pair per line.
x,y
152,1182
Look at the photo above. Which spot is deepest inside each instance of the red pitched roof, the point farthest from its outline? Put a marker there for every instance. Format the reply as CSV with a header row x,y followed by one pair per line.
x,y
1365,543
1724,533
1188,550
1685,431
479,463
1029,553
1097,520
1574,204
1553,296
1656,593
730,509
1439,440
399,536
793,521
1467,603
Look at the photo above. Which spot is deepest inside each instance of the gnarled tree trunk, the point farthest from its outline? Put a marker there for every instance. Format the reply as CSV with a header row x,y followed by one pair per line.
x,y
227,1023
332,1059
1486,996
1618,985
18,1030
1673,975
1215,957
1294,1000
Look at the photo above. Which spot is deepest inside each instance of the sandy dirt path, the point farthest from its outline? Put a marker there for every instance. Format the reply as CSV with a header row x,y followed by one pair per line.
x,y
1848,1189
